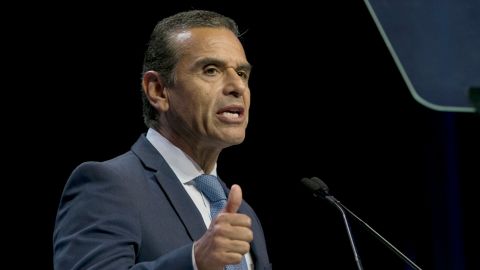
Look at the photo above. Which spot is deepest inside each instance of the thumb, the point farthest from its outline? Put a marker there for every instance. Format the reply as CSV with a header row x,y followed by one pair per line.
x,y
234,199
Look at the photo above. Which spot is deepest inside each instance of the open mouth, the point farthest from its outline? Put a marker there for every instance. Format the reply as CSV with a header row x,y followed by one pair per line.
x,y
231,113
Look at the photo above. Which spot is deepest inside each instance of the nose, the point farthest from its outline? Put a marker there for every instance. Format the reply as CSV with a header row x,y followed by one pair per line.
x,y
235,84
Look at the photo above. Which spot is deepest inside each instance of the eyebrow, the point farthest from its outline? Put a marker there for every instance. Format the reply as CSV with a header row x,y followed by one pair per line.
x,y
217,62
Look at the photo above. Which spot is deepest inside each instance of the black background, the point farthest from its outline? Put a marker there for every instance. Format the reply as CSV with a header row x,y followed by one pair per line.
x,y
327,101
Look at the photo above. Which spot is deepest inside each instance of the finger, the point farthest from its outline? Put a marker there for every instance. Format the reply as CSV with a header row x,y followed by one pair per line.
x,y
240,247
234,199
242,233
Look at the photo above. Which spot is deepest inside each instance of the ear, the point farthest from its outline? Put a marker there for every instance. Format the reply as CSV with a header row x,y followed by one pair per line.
x,y
154,88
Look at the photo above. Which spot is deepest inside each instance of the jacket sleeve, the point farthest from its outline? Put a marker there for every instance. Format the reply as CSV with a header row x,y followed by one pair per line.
x,y
97,225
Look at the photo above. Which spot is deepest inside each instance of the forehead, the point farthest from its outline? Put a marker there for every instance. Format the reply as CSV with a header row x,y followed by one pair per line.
x,y
209,42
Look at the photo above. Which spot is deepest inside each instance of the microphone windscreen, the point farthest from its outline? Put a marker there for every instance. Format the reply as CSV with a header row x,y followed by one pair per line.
x,y
310,184
320,184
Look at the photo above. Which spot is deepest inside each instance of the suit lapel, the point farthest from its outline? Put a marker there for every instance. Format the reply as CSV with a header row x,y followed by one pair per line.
x,y
172,188
182,203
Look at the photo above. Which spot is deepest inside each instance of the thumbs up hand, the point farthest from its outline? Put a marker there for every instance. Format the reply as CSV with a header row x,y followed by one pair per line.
x,y
227,238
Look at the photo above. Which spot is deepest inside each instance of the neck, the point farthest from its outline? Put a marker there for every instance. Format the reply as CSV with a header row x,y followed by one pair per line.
x,y
205,156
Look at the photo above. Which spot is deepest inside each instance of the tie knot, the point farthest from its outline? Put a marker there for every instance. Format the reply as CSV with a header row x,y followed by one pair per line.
x,y
210,187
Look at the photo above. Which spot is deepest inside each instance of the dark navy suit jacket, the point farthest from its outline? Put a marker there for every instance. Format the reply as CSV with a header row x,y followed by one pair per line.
x,y
132,212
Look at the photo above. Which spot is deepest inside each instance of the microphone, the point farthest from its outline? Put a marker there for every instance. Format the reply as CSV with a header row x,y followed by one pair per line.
x,y
320,189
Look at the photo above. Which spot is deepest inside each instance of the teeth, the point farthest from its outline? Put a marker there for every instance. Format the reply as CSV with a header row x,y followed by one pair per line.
x,y
230,114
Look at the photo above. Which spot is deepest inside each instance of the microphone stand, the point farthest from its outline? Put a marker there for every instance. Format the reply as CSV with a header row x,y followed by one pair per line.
x,y
338,204
347,226
320,189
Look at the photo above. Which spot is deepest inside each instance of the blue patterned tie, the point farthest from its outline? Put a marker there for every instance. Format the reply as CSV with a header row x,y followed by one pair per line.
x,y
211,188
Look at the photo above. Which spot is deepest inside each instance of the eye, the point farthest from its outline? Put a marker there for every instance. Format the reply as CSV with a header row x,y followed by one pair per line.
x,y
211,70
243,74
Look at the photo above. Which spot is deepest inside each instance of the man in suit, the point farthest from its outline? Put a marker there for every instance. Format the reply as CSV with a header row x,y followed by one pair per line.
x,y
144,209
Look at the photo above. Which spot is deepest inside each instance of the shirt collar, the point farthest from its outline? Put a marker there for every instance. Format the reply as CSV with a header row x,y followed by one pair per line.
x,y
185,168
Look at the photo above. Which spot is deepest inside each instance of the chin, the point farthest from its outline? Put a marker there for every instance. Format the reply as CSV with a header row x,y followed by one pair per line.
x,y
234,140
231,136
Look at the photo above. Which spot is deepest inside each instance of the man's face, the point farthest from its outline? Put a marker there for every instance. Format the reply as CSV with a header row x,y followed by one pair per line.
x,y
210,98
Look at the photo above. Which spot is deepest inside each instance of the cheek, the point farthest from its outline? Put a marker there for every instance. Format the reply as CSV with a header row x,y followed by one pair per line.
x,y
247,100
